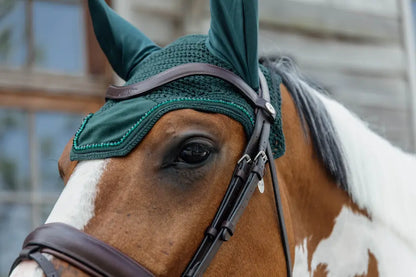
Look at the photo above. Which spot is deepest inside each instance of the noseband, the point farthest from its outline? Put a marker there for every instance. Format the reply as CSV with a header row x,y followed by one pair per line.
x,y
99,259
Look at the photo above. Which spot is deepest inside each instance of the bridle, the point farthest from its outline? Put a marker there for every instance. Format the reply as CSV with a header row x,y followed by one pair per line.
x,y
100,259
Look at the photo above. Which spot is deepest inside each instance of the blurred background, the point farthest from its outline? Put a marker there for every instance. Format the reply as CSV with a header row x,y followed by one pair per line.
x,y
52,73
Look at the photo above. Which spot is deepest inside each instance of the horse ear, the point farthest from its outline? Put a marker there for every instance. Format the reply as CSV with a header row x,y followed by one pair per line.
x,y
233,36
123,44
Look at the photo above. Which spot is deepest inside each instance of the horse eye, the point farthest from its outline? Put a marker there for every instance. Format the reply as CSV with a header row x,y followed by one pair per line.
x,y
194,153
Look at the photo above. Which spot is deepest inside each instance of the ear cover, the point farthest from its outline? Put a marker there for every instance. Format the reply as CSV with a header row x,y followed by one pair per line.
x,y
123,44
119,126
233,36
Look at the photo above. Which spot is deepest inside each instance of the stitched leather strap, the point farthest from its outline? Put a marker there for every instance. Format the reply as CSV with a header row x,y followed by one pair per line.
x,y
185,70
78,248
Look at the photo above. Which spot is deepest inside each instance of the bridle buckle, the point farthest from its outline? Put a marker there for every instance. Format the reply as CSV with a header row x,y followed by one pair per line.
x,y
244,157
261,155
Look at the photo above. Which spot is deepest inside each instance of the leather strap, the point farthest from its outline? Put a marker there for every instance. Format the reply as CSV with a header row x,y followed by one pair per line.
x,y
248,173
33,253
45,264
75,245
185,70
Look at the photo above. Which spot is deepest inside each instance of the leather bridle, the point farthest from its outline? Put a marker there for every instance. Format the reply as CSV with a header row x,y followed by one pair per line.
x,y
99,259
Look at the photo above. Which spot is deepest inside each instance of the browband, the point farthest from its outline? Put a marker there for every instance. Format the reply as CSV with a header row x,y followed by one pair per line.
x,y
185,70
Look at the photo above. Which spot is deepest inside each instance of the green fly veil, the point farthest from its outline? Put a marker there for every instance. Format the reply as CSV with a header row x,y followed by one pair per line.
x,y
120,125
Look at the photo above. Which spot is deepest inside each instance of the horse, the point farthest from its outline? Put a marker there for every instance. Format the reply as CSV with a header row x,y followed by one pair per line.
x,y
347,194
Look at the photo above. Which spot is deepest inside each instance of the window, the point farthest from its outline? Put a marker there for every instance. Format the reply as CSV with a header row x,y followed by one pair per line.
x,y
52,73
414,16
31,35
66,54
13,52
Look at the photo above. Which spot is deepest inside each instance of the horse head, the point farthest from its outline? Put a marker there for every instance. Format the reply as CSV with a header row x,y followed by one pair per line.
x,y
158,178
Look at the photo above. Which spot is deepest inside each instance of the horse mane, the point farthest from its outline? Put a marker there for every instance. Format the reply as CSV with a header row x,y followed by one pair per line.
x,y
379,177
315,119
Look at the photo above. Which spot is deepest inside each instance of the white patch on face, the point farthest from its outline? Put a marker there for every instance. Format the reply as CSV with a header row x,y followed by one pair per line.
x,y
345,251
27,269
75,206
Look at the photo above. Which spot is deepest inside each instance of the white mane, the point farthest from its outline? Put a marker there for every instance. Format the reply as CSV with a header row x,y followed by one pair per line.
x,y
381,177
380,180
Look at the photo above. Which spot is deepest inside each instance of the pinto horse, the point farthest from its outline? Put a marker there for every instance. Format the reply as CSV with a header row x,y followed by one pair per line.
x,y
156,215
347,194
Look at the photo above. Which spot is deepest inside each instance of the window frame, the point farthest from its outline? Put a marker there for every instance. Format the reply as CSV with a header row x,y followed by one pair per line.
x,y
33,90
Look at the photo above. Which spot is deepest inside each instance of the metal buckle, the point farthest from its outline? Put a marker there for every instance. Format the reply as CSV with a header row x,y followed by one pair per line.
x,y
244,157
262,155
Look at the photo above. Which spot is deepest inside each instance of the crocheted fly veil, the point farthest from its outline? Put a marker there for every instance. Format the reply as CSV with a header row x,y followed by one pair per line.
x,y
120,125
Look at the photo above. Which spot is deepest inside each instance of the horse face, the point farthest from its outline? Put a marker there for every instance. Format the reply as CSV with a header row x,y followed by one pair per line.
x,y
155,203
